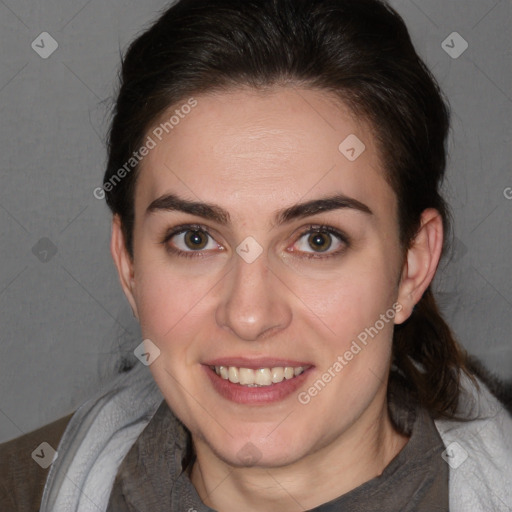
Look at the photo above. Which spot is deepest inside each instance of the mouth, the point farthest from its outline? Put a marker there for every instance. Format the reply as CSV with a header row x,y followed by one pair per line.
x,y
256,382
259,377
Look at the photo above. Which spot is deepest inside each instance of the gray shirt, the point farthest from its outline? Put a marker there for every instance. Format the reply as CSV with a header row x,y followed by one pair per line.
x,y
153,476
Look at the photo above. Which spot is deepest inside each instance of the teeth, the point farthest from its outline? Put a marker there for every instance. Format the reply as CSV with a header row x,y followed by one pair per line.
x,y
263,377
246,376
233,375
277,374
259,377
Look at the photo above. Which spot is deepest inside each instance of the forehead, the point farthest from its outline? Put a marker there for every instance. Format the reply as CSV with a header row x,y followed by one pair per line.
x,y
266,150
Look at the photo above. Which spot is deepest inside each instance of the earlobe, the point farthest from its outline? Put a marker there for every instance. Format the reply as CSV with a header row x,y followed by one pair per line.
x,y
421,263
123,262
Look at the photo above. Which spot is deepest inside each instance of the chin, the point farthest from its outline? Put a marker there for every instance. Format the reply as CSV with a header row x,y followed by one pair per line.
x,y
261,447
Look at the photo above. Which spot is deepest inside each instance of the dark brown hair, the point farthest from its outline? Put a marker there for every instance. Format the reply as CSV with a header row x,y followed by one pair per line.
x,y
361,51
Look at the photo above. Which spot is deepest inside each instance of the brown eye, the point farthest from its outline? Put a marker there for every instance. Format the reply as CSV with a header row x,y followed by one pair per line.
x,y
190,241
320,241
195,240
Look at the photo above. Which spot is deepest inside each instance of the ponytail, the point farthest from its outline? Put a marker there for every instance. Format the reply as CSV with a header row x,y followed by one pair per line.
x,y
428,358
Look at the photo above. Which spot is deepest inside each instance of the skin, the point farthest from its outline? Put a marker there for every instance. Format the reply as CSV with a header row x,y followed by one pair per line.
x,y
253,154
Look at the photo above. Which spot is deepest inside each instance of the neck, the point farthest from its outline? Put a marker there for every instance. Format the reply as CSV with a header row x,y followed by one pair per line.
x,y
358,455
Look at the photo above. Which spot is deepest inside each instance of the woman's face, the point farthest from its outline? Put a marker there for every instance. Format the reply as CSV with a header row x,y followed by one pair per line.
x,y
291,259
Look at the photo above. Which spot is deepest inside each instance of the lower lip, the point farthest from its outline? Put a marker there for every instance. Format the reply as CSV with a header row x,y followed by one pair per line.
x,y
255,395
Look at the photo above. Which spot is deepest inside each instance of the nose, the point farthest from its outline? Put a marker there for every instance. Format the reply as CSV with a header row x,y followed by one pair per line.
x,y
253,301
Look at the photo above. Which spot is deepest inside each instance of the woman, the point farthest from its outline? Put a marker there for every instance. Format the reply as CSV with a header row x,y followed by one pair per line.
x,y
274,172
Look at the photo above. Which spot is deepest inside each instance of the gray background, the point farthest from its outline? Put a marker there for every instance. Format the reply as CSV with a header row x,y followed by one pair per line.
x,y
63,316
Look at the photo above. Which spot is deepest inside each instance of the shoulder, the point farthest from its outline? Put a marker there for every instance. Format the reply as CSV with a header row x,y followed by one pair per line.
x,y
22,479
479,451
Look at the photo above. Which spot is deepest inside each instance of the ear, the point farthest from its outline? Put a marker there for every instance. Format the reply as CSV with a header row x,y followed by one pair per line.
x,y
420,263
123,262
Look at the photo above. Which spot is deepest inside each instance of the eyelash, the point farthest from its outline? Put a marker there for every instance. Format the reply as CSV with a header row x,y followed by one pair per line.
x,y
178,230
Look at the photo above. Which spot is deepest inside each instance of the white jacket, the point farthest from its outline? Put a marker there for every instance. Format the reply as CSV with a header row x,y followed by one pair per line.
x,y
102,431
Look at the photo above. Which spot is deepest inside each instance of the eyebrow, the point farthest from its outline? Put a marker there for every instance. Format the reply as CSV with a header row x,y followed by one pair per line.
x,y
172,202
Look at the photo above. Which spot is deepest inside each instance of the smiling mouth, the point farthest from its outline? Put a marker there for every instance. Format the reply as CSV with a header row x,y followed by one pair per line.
x,y
257,378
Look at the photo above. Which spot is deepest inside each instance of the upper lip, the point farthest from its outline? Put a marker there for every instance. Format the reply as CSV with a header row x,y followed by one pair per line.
x,y
255,363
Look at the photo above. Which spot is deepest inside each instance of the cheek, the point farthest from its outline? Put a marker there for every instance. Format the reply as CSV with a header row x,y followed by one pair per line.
x,y
351,299
176,308
165,300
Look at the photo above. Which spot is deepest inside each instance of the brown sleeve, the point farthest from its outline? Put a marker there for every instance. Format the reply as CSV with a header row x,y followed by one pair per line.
x,y
22,479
